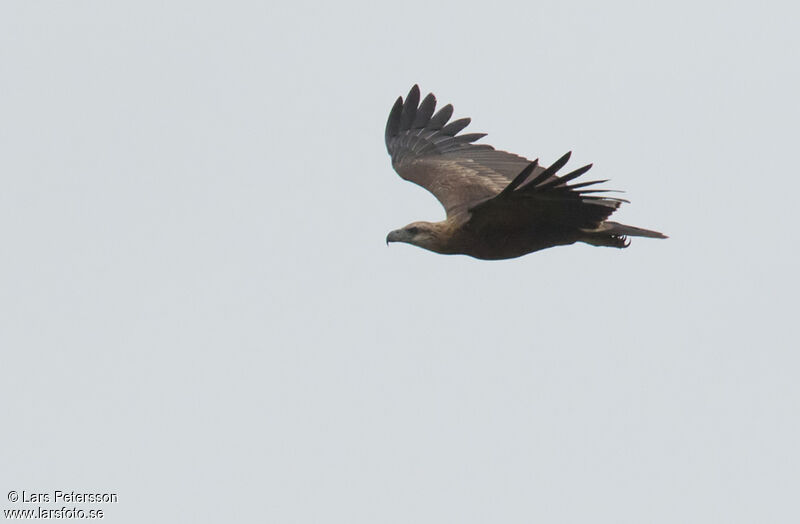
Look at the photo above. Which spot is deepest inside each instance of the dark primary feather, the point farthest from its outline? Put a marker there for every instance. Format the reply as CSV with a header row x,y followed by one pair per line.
x,y
520,178
409,109
441,117
424,112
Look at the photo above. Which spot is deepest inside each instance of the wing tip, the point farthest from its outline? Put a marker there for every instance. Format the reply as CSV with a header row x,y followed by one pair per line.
x,y
414,126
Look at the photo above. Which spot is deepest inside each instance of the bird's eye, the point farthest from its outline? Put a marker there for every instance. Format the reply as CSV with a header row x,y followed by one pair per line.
x,y
413,230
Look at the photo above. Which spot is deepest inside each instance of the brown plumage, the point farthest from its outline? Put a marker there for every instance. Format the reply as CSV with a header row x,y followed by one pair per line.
x,y
499,205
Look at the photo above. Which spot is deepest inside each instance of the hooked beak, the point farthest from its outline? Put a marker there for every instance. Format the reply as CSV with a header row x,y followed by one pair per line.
x,y
394,236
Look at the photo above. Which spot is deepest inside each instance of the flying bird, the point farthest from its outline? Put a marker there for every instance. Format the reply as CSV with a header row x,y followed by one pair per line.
x,y
499,205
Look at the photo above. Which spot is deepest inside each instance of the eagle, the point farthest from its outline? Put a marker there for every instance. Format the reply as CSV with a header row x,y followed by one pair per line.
x,y
499,205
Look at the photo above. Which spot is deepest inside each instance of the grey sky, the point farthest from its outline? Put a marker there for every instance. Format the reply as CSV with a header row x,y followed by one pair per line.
x,y
199,313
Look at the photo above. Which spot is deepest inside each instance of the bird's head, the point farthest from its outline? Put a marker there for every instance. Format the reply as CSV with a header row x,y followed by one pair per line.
x,y
426,235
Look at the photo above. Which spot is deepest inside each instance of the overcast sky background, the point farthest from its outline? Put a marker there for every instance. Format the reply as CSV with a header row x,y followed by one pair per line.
x,y
199,313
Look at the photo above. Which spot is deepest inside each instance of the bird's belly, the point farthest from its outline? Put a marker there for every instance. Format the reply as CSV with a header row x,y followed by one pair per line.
x,y
499,245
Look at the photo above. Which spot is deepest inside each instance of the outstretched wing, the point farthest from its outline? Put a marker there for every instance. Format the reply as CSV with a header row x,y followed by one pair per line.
x,y
428,151
545,199
494,186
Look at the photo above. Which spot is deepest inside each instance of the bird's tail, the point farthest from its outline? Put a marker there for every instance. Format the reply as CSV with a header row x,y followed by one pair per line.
x,y
615,228
613,234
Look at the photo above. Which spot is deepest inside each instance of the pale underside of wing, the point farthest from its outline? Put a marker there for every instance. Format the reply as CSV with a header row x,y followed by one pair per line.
x,y
456,183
